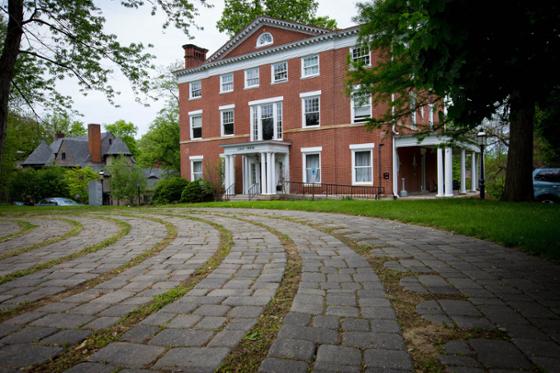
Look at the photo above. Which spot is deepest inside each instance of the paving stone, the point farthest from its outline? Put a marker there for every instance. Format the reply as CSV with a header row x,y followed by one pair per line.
x,y
63,320
24,355
361,325
386,341
28,334
292,349
498,354
339,355
193,358
274,365
127,354
141,333
212,310
181,337
318,335
91,368
329,322
211,322
227,338
66,337
387,359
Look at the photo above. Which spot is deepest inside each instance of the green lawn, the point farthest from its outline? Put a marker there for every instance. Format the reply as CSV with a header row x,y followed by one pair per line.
x,y
533,227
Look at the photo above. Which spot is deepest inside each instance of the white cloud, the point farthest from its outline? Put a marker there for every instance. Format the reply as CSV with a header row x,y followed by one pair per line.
x,y
137,25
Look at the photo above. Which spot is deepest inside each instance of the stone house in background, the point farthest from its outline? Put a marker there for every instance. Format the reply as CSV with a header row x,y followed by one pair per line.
x,y
271,105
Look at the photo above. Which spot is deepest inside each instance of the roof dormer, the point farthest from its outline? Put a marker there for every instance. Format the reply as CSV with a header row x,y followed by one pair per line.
x,y
264,39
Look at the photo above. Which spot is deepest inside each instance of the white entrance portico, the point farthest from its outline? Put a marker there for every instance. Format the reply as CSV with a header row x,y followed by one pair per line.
x,y
265,166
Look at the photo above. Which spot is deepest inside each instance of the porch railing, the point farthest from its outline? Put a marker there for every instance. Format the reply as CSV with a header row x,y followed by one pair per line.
x,y
253,191
230,191
328,190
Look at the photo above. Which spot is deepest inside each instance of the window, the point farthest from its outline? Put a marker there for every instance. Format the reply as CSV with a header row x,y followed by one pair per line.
x,y
196,90
279,72
310,107
266,119
311,158
264,39
310,66
551,175
196,124
362,164
196,167
227,122
431,115
361,107
413,109
226,83
63,156
360,54
252,77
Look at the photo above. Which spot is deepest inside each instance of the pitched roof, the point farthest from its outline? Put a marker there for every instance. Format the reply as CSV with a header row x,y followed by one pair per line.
x,y
40,156
313,39
257,24
118,147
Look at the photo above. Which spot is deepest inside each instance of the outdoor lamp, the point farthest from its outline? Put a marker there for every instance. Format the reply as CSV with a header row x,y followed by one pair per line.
x,y
481,137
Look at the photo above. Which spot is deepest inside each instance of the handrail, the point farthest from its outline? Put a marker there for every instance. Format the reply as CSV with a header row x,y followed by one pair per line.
x,y
230,191
253,190
328,189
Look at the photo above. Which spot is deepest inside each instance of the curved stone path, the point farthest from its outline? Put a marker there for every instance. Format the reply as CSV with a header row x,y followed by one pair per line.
x,y
341,319
8,228
48,227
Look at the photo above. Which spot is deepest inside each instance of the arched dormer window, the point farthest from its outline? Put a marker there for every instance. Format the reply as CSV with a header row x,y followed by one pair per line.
x,y
264,39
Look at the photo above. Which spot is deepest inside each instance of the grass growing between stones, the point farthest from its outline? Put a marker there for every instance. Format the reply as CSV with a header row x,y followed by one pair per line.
x,y
24,227
77,227
103,337
249,354
529,226
124,229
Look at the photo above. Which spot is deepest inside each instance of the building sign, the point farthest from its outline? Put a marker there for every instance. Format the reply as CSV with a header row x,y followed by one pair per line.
x,y
245,148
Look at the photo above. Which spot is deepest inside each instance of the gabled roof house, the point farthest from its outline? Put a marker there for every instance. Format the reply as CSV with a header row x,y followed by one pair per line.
x,y
271,105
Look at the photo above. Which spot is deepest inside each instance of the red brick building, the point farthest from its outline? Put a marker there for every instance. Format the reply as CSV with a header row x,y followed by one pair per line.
x,y
272,105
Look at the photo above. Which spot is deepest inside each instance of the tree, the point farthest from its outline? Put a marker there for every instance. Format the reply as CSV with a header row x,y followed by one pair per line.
x,y
240,13
126,131
66,38
78,180
127,180
160,145
31,185
481,56
62,123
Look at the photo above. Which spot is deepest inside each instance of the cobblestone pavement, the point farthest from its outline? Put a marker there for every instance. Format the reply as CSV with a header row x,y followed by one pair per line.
x,y
8,227
47,228
340,319
66,275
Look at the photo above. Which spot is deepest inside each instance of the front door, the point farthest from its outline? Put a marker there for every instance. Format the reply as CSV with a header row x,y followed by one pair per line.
x,y
254,176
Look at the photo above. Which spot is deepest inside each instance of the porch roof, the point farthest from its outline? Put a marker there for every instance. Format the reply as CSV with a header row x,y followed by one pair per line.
x,y
433,140
254,147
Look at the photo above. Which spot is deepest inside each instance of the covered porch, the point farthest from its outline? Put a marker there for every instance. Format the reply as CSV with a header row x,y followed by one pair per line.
x,y
424,167
264,167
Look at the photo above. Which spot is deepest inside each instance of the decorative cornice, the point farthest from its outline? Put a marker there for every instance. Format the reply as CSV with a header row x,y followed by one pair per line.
x,y
281,48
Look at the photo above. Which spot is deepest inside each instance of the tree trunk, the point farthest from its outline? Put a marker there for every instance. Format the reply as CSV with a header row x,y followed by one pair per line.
x,y
7,63
519,171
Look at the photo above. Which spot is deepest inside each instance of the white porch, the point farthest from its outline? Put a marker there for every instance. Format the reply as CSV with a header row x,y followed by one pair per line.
x,y
264,167
417,172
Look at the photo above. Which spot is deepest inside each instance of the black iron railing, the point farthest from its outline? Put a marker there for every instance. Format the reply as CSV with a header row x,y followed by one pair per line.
x,y
230,191
331,190
253,191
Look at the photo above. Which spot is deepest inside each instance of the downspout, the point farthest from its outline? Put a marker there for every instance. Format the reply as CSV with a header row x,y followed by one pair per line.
x,y
394,133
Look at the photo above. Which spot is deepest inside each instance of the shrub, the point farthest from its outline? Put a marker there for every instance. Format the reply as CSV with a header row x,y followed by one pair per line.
x,y
30,185
197,191
169,190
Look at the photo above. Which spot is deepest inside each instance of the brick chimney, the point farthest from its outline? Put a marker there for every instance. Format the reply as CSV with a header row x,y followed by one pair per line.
x,y
194,56
94,142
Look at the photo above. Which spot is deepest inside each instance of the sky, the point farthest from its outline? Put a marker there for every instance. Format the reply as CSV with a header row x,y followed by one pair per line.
x,y
133,25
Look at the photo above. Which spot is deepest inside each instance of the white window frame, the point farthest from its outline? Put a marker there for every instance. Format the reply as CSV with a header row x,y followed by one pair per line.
x,y
193,159
306,95
311,151
258,77
223,109
222,82
360,47
431,115
413,108
352,109
191,96
303,75
192,114
272,66
362,148
255,107
261,44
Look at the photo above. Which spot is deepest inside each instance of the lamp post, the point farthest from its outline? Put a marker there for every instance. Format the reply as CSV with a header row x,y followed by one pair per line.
x,y
481,137
102,175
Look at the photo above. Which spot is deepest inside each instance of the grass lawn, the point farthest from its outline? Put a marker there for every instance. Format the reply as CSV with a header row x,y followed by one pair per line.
x,y
533,227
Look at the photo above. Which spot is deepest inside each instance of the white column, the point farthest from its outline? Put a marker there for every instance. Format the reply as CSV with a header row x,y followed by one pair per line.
x,y
463,189
287,172
423,169
263,173
269,173
226,171
232,173
448,172
244,170
474,179
439,172
395,169
273,173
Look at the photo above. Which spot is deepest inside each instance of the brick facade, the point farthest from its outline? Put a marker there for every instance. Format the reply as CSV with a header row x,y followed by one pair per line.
x,y
335,133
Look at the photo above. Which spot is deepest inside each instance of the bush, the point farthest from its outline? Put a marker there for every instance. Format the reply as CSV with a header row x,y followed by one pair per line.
x,y
31,185
197,191
169,190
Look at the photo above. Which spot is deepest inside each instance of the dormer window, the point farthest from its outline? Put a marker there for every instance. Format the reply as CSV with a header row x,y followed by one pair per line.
x,y
110,141
264,39
63,156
